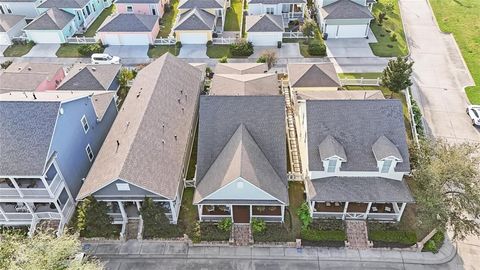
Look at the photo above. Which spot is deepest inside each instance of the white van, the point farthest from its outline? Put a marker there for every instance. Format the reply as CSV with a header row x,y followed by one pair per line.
x,y
104,58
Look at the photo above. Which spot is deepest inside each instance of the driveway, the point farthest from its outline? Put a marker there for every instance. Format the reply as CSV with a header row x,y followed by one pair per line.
x,y
439,74
350,47
43,50
288,50
193,51
124,51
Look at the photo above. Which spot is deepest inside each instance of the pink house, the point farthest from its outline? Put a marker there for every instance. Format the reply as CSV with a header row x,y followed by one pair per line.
x,y
31,77
146,7
129,29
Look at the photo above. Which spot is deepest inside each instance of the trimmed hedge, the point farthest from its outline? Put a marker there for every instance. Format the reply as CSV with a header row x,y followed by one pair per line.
x,y
89,49
211,232
317,48
273,233
407,238
241,48
311,237
328,225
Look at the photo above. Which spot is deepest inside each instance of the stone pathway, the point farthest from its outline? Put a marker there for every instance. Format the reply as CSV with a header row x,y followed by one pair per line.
x,y
357,234
242,234
132,229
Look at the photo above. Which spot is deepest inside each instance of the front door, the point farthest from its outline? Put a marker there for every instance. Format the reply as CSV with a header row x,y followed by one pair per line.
x,y
241,214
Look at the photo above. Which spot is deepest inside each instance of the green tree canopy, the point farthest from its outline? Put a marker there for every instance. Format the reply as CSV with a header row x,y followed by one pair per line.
x,y
446,186
155,222
308,28
396,76
42,251
92,219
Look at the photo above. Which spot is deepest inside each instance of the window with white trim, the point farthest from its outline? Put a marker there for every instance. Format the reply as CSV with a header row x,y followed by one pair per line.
x,y
89,151
332,165
123,187
85,125
387,163
269,10
130,9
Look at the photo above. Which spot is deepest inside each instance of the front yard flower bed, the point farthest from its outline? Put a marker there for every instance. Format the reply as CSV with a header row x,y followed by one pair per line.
x,y
209,232
274,233
389,235
327,232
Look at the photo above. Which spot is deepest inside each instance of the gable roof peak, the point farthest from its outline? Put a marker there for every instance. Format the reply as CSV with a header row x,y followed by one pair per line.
x,y
384,148
330,147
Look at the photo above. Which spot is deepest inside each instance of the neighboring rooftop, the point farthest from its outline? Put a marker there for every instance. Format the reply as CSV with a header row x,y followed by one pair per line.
x,y
360,94
313,75
90,77
274,2
264,23
241,68
26,76
356,125
8,21
152,130
129,22
137,1
345,9
359,189
201,4
264,84
53,19
64,4
242,136
195,19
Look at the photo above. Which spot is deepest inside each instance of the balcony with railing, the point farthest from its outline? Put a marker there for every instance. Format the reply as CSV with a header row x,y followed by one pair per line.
x,y
29,187
350,210
15,213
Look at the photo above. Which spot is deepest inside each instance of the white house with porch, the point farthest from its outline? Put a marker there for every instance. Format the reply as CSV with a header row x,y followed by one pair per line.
x,y
147,150
241,161
357,157
290,10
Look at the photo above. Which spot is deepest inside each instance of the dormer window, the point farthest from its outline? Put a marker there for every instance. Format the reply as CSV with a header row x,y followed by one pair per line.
x,y
387,164
332,154
386,153
332,165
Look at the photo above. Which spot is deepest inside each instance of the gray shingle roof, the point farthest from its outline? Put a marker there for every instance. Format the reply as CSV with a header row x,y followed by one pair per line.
x,y
262,116
384,148
27,76
130,22
53,19
195,19
345,9
264,23
359,189
152,129
17,1
357,94
25,136
313,75
264,84
90,77
356,125
64,4
241,68
330,147
273,2
206,4
241,157
9,21
101,102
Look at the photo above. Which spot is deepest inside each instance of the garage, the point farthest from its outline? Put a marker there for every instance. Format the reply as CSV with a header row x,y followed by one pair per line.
x,y
347,31
142,29
193,38
264,30
345,19
11,26
45,36
4,39
126,39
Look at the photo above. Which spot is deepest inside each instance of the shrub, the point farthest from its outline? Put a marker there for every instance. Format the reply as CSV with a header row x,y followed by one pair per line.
x,y
92,219
417,118
89,49
329,224
155,222
381,16
435,243
304,214
225,225
6,64
398,237
196,232
430,246
211,232
178,45
209,43
167,8
258,225
273,233
224,59
317,48
241,48
269,57
393,37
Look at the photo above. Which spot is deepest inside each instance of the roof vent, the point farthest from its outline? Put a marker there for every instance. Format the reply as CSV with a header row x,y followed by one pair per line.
x,y
118,145
29,68
138,95
183,110
178,101
175,137
163,141
34,97
94,68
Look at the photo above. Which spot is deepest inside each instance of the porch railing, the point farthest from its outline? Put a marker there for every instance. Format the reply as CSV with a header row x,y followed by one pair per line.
x,y
82,40
293,35
214,217
27,217
292,15
361,81
117,217
268,218
165,41
222,40
48,215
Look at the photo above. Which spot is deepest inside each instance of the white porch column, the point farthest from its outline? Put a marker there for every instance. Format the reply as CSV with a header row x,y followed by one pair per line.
x,y
3,213
231,211
47,186
250,213
16,187
122,210
345,211
200,211
401,211
173,211
283,212
368,210
59,210
312,207
30,209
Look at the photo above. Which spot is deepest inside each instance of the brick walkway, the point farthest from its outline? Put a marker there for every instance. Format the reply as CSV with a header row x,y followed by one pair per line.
x,y
357,234
132,229
242,234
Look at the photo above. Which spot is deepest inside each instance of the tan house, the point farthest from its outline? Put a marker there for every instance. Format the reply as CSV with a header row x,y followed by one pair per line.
x,y
263,84
241,68
313,77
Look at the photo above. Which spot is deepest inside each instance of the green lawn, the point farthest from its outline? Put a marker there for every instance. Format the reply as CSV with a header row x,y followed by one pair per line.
x,y
157,51
234,16
460,17
218,51
18,50
393,23
192,164
188,212
296,198
92,30
168,19
372,75
69,50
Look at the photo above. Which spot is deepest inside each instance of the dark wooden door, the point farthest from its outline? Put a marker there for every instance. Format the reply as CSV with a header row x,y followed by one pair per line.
x,y
241,213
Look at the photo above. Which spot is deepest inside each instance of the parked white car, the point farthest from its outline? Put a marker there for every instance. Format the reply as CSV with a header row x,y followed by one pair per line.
x,y
474,113
104,58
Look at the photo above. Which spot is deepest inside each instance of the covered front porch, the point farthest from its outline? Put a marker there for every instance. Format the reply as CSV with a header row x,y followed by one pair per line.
x,y
382,211
241,213
292,12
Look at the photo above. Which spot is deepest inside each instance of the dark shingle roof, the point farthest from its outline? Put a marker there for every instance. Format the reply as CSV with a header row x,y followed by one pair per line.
x,y
359,189
25,136
313,75
90,77
384,148
356,125
187,4
53,19
264,23
195,19
9,21
148,141
64,4
330,147
345,9
262,116
129,23
274,2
